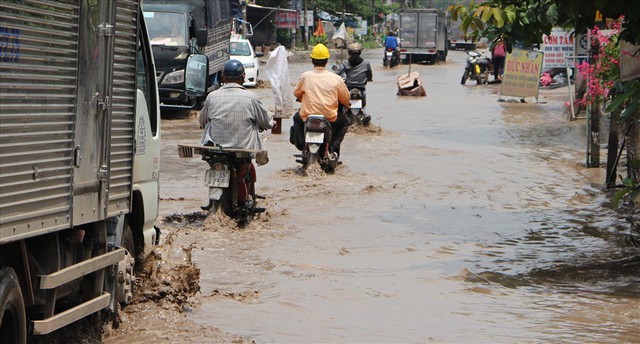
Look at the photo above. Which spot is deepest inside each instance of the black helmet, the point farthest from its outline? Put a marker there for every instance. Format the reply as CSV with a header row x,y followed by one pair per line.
x,y
233,69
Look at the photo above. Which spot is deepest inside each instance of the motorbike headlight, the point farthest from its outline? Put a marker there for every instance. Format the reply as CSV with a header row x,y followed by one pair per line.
x,y
249,65
176,77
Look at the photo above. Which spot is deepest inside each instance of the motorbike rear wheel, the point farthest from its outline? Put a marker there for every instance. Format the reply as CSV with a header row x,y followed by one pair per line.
x,y
465,76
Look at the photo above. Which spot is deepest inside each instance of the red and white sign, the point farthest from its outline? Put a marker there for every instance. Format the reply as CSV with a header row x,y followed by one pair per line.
x,y
556,46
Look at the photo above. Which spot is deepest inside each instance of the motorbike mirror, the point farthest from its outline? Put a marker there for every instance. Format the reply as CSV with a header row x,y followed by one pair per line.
x,y
195,75
201,37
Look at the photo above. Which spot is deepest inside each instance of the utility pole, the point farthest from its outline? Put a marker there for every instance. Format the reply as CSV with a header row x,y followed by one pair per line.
x,y
305,39
243,29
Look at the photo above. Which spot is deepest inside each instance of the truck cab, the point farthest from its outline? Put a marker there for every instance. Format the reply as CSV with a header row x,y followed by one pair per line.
x,y
178,28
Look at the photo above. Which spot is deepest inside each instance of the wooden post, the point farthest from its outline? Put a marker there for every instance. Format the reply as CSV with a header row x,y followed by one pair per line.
x,y
305,35
612,153
633,149
593,135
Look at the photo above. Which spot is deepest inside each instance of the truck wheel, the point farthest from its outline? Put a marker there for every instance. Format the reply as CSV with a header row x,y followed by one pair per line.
x,y
130,262
13,319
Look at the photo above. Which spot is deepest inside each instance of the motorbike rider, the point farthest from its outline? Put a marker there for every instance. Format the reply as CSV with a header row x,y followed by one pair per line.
x,y
320,92
391,42
357,73
233,117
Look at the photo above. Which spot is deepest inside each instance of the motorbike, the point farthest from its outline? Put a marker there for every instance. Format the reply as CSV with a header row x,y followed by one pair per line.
x,y
391,58
317,147
356,113
478,68
230,169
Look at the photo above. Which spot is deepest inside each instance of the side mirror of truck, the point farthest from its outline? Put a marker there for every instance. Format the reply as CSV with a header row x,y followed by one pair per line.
x,y
195,75
201,37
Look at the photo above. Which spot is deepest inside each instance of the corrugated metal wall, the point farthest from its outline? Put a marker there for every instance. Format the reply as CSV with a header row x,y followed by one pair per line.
x,y
123,107
38,54
38,88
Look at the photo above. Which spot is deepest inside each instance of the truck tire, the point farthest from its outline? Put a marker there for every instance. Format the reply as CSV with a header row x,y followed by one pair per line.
x,y
132,262
13,319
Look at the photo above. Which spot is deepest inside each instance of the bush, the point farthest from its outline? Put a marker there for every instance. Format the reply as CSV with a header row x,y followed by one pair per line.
x,y
318,39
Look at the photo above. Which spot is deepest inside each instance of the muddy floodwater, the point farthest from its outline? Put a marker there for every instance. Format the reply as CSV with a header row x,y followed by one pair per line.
x,y
455,218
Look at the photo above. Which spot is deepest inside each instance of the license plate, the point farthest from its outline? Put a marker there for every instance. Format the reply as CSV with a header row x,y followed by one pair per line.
x,y
389,54
314,137
356,103
217,178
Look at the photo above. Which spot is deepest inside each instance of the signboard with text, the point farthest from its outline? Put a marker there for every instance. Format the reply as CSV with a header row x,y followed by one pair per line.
x,y
309,18
286,20
522,73
556,46
629,61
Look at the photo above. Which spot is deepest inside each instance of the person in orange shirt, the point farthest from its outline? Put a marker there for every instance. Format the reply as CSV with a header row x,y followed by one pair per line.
x,y
320,92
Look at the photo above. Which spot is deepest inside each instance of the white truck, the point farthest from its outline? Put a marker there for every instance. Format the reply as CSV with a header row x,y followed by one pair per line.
x,y
79,159
424,36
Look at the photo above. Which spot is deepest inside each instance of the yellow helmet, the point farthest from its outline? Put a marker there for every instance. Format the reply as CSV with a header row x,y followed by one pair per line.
x,y
320,52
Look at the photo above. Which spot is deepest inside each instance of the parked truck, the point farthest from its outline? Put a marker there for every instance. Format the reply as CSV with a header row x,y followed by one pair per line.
x,y
177,28
79,159
423,34
458,40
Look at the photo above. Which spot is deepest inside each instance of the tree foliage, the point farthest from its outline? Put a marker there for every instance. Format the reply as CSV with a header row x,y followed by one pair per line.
x,y
517,21
524,21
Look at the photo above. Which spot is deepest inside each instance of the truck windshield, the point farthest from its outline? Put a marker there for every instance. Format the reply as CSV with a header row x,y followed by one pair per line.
x,y
166,28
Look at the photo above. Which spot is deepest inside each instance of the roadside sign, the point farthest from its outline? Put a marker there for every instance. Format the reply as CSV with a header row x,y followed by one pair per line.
x,y
522,73
301,18
556,47
629,61
286,20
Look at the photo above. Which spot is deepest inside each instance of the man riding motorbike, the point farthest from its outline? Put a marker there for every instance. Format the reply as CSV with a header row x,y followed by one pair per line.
x,y
233,117
320,92
357,73
391,44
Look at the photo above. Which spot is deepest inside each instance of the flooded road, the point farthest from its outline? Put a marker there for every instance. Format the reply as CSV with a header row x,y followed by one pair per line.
x,y
462,219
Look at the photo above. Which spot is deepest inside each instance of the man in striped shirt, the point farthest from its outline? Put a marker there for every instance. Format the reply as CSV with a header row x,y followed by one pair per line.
x,y
233,117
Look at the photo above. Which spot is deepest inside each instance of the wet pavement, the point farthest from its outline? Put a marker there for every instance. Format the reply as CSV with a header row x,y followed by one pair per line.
x,y
457,218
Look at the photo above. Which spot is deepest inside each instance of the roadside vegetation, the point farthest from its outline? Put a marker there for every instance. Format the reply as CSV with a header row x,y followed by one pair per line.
x,y
524,22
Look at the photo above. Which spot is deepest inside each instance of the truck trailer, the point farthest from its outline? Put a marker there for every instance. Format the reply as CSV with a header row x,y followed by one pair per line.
x,y
177,28
424,36
79,159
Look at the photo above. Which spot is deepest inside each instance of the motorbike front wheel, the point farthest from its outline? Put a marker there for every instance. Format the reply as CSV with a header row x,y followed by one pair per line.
x,y
465,76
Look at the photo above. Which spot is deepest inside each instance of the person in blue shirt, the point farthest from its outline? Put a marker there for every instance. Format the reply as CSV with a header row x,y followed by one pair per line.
x,y
391,42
